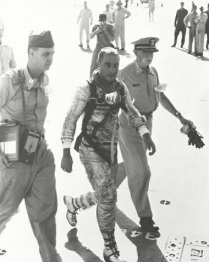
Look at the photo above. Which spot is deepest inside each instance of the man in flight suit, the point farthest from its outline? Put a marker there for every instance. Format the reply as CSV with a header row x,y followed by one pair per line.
x,y
98,144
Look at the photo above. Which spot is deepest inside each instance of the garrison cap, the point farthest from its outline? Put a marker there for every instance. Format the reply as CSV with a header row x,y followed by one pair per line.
x,y
40,39
146,44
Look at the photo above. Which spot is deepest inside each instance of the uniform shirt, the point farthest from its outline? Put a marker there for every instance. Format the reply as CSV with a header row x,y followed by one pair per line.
x,y
190,18
11,99
85,15
141,86
77,108
109,16
201,19
102,38
6,58
180,15
119,15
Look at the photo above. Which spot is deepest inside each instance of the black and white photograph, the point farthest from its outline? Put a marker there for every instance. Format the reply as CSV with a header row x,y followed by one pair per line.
x,y
104,131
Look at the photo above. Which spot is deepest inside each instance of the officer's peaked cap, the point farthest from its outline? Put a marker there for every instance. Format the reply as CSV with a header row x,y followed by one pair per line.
x,y
146,44
40,39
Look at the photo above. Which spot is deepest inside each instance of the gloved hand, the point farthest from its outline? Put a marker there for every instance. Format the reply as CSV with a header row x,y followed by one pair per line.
x,y
195,138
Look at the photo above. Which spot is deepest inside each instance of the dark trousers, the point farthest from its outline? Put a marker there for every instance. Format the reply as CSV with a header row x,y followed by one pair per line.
x,y
182,29
207,43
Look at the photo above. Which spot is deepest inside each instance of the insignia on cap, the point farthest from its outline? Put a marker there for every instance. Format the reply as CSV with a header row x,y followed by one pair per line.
x,y
152,42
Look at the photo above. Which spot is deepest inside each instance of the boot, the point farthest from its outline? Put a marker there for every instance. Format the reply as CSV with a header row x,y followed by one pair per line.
x,y
110,252
147,227
76,204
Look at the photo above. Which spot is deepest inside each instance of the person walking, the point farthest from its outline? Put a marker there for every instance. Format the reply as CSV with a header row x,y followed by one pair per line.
x,y
100,100
179,25
86,19
207,28
200,32
189,22
142,82
105,33
120,14
7,60
151,6
24,100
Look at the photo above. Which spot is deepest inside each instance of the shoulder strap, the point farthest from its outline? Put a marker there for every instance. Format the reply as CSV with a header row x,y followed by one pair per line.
x,y
90,105
22,80
89,110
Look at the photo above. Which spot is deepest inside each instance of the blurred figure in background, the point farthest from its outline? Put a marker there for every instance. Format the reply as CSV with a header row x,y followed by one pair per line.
x,y
151,10
207,28
112,5
189,22
179,25
105,33
85,17
108,14
119,16
6,53
200,32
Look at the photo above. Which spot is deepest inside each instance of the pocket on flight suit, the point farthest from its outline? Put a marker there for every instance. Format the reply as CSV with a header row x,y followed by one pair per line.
x,y
124,121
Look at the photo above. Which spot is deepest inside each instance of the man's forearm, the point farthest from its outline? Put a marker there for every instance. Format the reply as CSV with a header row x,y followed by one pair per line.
x,y
166,103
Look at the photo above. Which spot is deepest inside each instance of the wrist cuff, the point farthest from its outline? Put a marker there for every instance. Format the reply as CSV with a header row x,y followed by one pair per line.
x,y
66,143
143,130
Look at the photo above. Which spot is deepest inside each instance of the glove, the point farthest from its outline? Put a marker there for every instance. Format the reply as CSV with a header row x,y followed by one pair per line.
x,y
195,138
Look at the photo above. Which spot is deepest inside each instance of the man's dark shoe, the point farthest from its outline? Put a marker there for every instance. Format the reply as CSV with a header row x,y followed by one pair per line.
x,y
173,45
148,228
189,52
2,252
182,45
122,49
80,45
